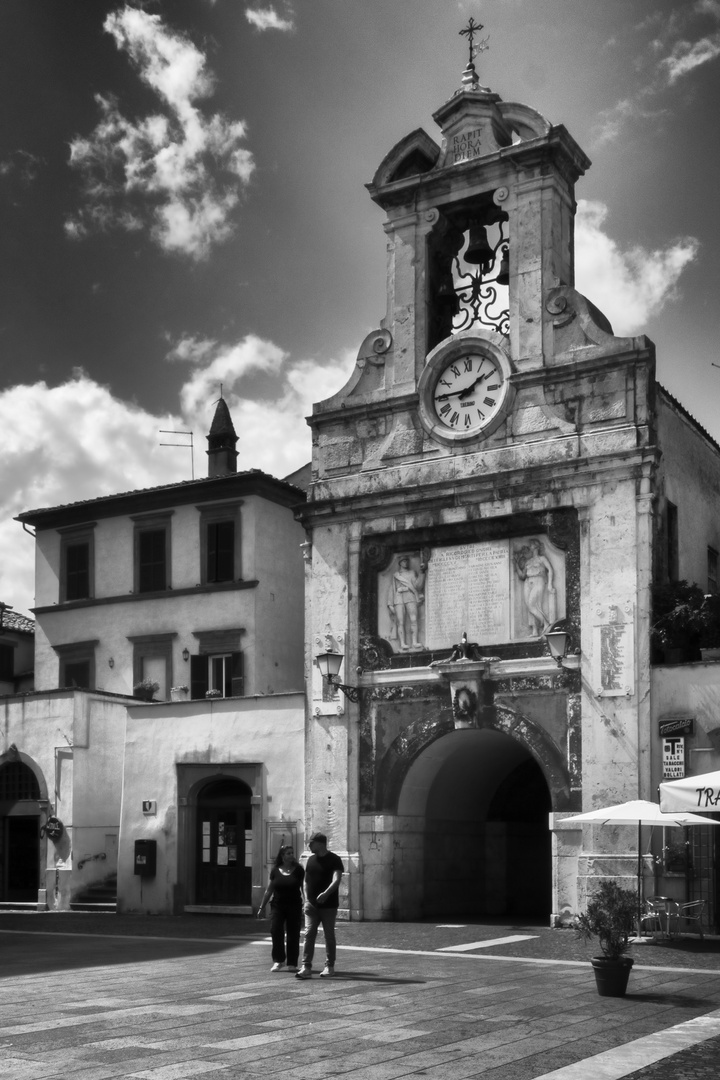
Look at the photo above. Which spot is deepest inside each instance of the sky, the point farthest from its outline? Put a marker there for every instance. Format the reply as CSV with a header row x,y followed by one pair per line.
x,y
182,208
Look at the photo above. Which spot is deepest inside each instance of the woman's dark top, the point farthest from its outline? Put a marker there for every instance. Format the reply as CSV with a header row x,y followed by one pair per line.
x,y
286,887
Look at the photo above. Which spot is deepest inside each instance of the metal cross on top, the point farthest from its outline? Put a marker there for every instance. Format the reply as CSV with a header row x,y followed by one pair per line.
x,y
469,32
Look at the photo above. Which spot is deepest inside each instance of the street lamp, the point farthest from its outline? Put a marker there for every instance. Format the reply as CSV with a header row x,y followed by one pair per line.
x,y
329,664
557,638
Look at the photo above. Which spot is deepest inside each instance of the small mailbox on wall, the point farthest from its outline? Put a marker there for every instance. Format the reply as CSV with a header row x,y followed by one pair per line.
x,y
145,858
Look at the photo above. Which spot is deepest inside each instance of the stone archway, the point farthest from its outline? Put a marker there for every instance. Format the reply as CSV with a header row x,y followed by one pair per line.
x,y
21,796
470,817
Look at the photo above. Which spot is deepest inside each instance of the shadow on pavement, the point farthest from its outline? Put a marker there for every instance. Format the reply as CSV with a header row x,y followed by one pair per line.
x,y
56,942
678,1001
361,976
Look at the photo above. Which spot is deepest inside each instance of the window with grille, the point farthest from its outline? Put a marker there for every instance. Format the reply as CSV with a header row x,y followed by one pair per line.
x,y
17,781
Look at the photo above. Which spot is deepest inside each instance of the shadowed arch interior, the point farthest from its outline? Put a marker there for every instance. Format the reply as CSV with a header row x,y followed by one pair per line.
x,y
480,802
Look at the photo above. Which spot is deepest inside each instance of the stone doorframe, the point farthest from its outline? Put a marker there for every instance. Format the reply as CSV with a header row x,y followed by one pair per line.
x,y
191,779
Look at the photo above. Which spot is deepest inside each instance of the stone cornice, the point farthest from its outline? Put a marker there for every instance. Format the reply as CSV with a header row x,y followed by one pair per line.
x,y
340,497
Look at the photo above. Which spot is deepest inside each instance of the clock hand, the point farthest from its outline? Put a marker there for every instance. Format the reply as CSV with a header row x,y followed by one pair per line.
x,y
469,389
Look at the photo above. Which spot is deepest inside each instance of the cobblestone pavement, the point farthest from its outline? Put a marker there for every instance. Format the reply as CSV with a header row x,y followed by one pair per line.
x,y
96,997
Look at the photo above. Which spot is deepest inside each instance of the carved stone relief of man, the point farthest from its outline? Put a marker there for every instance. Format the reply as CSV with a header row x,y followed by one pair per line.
x,y
405,595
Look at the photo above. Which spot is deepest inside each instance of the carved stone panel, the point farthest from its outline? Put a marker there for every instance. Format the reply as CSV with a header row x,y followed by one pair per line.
x,y
499,590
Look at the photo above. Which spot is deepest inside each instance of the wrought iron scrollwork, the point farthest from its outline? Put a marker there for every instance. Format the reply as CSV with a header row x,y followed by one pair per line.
x,y
479,295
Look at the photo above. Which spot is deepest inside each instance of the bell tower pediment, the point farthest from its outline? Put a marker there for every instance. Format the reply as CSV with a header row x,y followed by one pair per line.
x,y
472,126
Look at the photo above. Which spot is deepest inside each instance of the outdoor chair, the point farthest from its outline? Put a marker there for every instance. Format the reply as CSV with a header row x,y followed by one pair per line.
x,y
691,912
656,918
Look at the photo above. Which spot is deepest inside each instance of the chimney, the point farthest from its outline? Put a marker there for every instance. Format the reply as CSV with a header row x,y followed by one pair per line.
x,y
221,452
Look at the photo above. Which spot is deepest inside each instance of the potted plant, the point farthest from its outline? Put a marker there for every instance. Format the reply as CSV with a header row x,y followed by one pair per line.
x,y
610,917
677,620
145,689
178,693
710,627
213,693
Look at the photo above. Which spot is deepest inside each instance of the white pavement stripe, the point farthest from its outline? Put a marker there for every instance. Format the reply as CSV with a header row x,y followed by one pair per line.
x,y
628,1058
488,942
522,959
364,948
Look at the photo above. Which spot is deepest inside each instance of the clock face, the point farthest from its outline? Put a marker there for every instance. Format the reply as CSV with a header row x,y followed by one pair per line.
x,y
468,393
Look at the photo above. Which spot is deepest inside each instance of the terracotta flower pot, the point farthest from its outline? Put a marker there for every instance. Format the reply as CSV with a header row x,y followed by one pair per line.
x,y
611,976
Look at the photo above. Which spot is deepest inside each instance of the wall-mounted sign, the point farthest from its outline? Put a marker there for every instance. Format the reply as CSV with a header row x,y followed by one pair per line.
x,y
673,757
149,807
677,725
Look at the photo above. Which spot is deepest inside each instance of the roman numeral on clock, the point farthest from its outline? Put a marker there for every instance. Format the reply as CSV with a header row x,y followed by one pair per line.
x,y
489,402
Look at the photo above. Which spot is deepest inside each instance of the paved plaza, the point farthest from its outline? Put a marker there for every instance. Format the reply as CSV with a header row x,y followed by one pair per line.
x,y
102,996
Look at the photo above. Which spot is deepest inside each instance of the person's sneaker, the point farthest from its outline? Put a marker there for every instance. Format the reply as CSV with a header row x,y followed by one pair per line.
x,y
293,969
277,967
304,973
327,972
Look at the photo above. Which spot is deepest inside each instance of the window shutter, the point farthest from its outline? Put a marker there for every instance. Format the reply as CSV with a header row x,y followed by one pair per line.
x,y
77,573
237,666
221,551
198,676
152,560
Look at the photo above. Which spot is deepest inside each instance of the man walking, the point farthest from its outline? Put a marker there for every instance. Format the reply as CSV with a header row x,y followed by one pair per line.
x,y
322,882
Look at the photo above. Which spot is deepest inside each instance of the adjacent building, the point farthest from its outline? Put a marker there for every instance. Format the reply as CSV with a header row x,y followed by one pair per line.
x,y
189,597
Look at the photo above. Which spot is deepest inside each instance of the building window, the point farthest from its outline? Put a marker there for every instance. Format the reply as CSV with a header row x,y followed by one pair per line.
x,y
219,663
220,542
712,570
221,551
220,671
76,563
152,659
18,781
77,664
673,567
7,664
152,553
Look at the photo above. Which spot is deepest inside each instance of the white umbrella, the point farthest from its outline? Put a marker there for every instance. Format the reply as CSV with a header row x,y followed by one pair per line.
x,y
692,793
638,812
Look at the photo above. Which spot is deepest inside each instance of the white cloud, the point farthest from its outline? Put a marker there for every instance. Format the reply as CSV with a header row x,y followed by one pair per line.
x,y
179,172
677,45
191,349
76,441
268,19
688,55
628,286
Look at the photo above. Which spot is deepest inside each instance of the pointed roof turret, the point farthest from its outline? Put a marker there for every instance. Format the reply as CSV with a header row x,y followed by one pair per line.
x,y
222,440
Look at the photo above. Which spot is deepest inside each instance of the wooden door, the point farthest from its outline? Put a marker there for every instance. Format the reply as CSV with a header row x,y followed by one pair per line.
x,y
224,844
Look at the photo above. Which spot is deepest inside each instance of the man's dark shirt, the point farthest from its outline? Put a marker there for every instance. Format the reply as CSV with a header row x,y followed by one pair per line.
x,y
319,874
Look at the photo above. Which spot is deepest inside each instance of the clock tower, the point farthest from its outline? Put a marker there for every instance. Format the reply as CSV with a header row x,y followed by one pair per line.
x,y
482,478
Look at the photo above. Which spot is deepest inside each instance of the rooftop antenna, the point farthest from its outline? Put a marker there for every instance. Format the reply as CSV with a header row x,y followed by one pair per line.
x,y
186,446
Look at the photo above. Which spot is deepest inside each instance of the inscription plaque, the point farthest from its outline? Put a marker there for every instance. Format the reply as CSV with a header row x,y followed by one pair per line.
x,y
467,589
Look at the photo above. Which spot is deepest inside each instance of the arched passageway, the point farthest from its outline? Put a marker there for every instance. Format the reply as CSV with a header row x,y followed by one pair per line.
x,y
481,801
19,833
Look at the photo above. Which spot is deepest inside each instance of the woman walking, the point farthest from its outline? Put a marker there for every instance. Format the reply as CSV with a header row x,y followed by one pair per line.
x,y
285,894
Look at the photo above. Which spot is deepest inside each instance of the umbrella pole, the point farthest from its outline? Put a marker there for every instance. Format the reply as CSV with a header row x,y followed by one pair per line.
x,y
640,881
